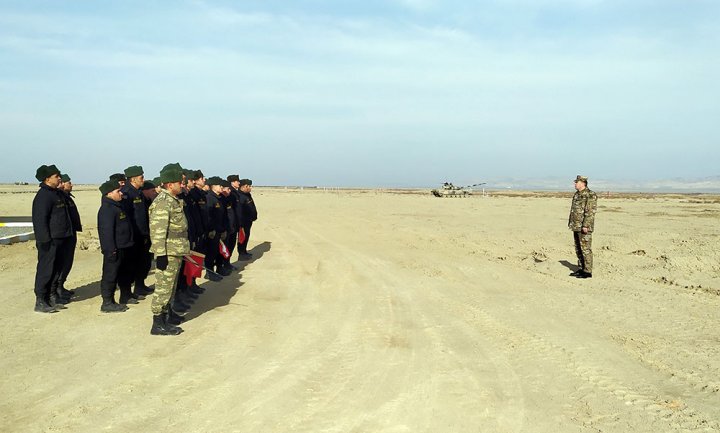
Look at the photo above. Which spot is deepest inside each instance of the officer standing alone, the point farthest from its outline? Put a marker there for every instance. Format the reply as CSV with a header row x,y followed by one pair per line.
x,y
582,224
249,215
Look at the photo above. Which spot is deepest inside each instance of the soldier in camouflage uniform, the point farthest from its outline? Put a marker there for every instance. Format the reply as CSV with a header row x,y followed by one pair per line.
x,y
582,222
169,243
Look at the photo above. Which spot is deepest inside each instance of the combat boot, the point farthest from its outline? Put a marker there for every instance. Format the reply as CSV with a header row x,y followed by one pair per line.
x,y
65,293
584,274
212,276
576,273
142,290
196,289
112,307
161,327
126,296
173,318
43,307
224,271
57,302
180,307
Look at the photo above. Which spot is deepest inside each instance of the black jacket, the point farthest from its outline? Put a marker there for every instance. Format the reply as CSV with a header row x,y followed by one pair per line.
x,y
238,206
199,196
230,203
115,229
249,212
136,206
217,214
192,214
73,211
50,215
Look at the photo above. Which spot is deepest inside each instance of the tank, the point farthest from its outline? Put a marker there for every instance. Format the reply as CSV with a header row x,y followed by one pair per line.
x,y
450,190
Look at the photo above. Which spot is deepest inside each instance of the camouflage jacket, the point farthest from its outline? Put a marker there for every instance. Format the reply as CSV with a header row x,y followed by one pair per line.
x,y
168,226
582,212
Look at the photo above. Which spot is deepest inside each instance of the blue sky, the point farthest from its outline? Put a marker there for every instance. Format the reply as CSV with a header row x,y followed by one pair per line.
x,y
374,93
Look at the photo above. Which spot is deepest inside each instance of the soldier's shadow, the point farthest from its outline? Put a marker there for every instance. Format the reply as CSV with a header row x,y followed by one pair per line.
x,y
87,291
219,294
573,267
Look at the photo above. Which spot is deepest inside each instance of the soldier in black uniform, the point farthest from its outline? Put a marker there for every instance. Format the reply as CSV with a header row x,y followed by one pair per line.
x,y
115,230
58,288
136,207
249,215
233,224
53,233
216,224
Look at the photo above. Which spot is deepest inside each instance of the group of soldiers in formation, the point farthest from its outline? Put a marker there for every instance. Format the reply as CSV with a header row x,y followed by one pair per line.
x,y
180,218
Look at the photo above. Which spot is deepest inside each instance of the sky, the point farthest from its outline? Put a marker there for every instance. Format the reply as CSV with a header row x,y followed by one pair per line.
x,y
395,93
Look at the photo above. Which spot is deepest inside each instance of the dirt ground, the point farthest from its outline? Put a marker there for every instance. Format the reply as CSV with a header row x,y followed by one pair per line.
x,y
374,311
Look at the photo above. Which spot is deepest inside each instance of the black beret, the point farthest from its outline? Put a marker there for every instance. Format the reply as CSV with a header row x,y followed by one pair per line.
x,y
245,182
147,185
198,174
134,170
118,177
65,178
108,186
156,181
188,173
233,178
214,180
45,171
225,183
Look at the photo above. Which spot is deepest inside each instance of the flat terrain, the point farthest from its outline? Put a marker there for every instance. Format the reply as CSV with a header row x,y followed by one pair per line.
x,y
376,311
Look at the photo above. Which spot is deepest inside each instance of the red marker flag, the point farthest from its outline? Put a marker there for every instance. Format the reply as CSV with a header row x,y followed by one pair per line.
x,y
193,266
223,250
241,236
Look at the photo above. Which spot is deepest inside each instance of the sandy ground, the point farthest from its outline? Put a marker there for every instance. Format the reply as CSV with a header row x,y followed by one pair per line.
x,y
383,312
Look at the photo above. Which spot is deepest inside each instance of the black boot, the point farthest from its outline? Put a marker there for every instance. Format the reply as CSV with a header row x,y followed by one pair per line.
x,y
110,306
160,326
584,274
142,290
196,289
212,276
126,296
57,302
224,271
174,318
180,307
43,307
576,273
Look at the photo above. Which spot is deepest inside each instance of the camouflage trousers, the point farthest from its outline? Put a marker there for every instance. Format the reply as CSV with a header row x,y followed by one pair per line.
x,y
165,285
583,249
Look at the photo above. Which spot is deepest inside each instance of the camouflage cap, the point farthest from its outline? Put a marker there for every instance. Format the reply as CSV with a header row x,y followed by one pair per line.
x,y
134,170
45,171
65,178
214,180
108,186
581,179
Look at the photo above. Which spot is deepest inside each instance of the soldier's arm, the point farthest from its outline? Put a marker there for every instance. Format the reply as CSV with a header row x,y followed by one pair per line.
x,y
41,210
141,217
589,211
159,223
106,232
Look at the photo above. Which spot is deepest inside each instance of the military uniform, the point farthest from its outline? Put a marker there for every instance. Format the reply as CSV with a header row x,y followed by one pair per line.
x,y
58,287
116,234
217,225
248,213
168,238
582,216
136,207
53,232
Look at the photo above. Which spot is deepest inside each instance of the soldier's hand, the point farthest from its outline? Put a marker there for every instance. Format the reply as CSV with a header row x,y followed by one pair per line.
x,y
113,256
223,236
585,230
211,235
161,262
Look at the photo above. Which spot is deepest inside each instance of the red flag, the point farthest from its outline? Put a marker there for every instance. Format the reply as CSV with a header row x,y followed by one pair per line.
x,y
223,250
241,236
193,266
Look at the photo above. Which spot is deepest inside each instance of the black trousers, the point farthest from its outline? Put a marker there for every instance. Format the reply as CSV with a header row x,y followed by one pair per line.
x,y
142,261
242,247
52,257
66,263
117,270
211,251
231,242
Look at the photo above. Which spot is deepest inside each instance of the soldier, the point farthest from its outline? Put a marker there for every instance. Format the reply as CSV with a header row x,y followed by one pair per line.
x,y
115,230
237,195
249,215
58,288
136,207
233,224
119,178
53,232
582,222
169,243
148,190
216,226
